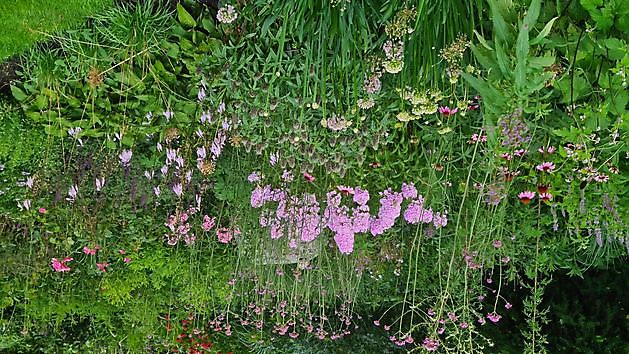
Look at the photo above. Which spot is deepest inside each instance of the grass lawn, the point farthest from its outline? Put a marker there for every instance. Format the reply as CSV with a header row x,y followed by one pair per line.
x,y
20,20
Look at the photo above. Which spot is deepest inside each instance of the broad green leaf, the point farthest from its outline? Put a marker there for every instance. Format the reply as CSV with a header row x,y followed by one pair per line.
x,y
184,17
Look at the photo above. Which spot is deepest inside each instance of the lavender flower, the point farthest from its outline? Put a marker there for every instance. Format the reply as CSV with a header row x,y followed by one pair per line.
x,y
168,114
100,183
29,182
206,117
178,189
254,177
201,94
73,191
201,153
157,191
125,157
273,158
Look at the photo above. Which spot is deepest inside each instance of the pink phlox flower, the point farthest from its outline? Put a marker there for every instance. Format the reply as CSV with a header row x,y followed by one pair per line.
x,y
208,223
361,196
430,345
224,235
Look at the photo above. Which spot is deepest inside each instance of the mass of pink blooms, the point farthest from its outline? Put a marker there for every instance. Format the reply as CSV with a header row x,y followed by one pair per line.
x,y
301,218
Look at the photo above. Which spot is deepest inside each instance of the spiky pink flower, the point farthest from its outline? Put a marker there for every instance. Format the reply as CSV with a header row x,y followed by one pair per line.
x,y
520,152
546,167
601,177
89,251
526,196
447,111
102,266
546,197
60,265
208,223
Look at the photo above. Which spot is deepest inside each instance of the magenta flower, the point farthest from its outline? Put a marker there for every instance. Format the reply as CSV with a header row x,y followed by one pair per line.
x,y
430,345
42,210
345,190
122,251
526,196
308,177
507,156
601,178
361,196
60,265
447,111
546,167
224,235
127,260
494,317
89,251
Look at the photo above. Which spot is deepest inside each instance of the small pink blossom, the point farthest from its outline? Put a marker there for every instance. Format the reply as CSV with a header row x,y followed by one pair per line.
x,y
126,260
208,223
506,259
102,266
42,210
508,305
497,243
430,345
376,322
308,177
89,251
494,317
546,197
520,152
122,251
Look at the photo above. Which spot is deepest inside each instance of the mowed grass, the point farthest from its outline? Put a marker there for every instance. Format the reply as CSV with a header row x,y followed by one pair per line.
x,y
21,21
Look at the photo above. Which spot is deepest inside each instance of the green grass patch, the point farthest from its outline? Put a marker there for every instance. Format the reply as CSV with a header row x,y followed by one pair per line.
x,y
22,21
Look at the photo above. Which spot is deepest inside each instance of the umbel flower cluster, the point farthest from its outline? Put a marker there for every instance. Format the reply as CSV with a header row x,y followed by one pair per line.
x,y
300,219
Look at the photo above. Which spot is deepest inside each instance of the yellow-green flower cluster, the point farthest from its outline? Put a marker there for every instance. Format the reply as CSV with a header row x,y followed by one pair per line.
x,y
422,103
453,56
402,24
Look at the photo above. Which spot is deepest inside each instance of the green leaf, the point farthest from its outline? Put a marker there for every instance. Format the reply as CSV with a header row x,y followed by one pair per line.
x,y
184,17
482,40
501,30
18,94
545,31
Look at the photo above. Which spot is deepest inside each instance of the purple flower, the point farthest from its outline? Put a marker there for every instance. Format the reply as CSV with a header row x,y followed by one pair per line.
x,y
221,107
156,191
361,196
254,177
201,153
125,157
274,158
100,183
73,191
178,189
168,114
409,191
201,94
413,213
430,345
439,220
206,117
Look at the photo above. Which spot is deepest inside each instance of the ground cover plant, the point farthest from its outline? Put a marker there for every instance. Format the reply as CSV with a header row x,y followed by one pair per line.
x,y
299,176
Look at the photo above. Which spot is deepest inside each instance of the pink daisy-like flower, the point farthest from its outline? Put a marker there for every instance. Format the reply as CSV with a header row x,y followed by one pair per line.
x,y
545,197
546,167
520,152
601,177
345,190
447,111
526,196
507,156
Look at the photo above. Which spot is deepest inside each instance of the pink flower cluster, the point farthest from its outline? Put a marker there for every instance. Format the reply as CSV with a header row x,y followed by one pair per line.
x,y
300,218
180,227
60,265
